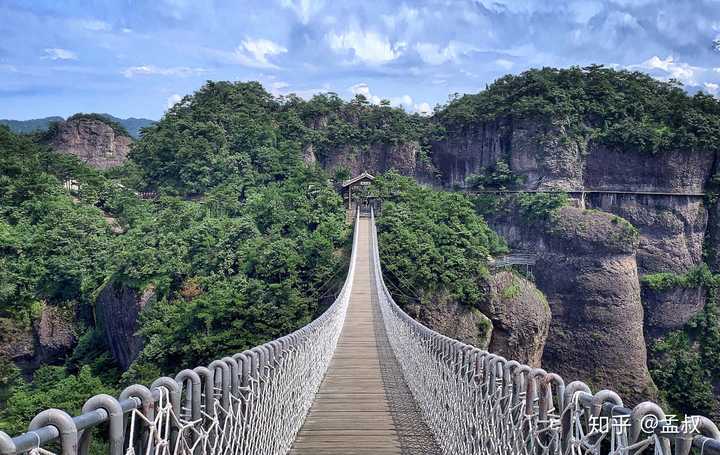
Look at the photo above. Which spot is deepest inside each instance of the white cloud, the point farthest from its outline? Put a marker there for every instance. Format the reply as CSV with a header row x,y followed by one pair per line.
x,y
671,68
363,89
404,101
304,9
434,54
173,100
367,46
711,87
4,67
152,70
410,17
277,88
504,64
423,108
59,54
255,53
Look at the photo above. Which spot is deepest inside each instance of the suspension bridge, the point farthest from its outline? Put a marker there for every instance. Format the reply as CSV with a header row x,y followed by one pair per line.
x,y
364,378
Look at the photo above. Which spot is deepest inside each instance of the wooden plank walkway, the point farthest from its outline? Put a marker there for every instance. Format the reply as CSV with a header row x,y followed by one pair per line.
x,y
352,413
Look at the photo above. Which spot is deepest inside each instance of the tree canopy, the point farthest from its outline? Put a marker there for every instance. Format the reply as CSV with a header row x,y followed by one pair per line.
x,y
619,108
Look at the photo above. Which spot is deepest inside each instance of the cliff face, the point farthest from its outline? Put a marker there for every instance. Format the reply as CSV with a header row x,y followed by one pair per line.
x,y
672,219
118,308
456,321
547,158
520,316
512,321
93,141
587,270
376,159
46,341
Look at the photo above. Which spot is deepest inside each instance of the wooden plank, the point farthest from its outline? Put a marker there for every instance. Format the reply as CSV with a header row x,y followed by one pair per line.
x,y
351,413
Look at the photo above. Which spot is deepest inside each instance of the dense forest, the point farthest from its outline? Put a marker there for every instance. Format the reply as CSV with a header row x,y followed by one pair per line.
x,y
246,261
626,109
245,241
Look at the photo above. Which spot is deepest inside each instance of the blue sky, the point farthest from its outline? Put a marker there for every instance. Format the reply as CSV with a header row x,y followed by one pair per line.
x,y
135,58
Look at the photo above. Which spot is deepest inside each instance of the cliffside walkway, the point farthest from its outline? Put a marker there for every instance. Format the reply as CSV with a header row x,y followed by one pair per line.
x,y
364,378
589,191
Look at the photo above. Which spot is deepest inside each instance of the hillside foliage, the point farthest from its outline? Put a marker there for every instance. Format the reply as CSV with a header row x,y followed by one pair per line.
x,y
624,109
434,246
245,243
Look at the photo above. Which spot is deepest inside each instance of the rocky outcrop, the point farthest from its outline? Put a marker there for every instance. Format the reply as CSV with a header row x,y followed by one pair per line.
x,y
460,322
16,341
520,317
46,341
377,159
118,307
93,141
544,158
55,334
587,270
672,228
671,309
512,320
712,241
668,171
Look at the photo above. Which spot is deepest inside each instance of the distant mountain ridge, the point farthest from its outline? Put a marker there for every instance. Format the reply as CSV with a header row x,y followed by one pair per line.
x,y
132,125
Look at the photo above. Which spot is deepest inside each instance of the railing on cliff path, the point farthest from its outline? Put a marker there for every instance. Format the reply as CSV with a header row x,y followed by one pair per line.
x,y
251,403
474,402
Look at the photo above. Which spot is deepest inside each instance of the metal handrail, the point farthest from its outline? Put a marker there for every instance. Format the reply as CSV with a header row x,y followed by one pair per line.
x,y
543,389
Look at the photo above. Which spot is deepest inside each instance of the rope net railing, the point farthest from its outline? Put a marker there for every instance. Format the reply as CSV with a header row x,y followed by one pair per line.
x,y
251,403
476,402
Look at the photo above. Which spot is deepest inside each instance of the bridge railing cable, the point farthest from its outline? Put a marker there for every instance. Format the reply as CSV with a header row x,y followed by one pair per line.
x,y
476,402
253,402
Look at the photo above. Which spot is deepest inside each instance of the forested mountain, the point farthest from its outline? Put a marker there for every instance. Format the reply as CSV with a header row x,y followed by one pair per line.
x,y
132,125
246,238
30,126
244,243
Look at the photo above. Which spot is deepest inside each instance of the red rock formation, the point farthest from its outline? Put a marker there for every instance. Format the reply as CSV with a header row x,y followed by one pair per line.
x,y
93,141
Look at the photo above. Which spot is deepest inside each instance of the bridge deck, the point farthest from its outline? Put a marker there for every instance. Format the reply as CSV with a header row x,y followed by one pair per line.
x,y
363,407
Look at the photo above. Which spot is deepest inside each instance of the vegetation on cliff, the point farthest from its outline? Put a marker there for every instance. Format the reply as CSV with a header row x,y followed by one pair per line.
x,y
618,108
242,244
104,118
357,124
684,363
54,250
434,246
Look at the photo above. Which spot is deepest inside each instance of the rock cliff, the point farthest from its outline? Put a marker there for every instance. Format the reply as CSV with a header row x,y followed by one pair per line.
x,y
512,321
520,316
118,308
586,267
456,321
405,158
661,194
95,142
47,340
